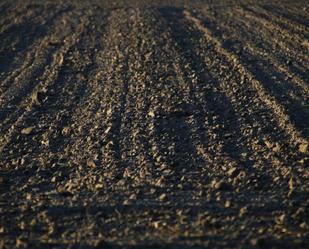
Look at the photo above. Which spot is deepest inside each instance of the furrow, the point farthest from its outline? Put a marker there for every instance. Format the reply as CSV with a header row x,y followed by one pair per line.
x,y
24,80
95,125
221,126
286,37
288,89
24,32
296,71
19,13
282,118
61,101
46,37
296,59
286,25
12,125
290,15
4,8
136,147
171,112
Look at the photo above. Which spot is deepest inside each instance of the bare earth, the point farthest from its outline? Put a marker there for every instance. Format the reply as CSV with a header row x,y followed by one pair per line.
x,y
151,124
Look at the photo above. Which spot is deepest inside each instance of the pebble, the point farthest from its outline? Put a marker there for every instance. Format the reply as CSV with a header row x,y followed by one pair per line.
x,y
27,131
291,184
220,185
268,144
91,164
243,211
303,148
151,114
65,130
227,204
163,197
277,148
232,171
257,242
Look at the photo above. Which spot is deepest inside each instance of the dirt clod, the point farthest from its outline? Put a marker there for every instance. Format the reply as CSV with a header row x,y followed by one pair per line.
x,y
28,130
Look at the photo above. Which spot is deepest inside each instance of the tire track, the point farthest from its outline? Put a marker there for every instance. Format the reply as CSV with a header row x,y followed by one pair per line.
x,y
136,147
285,42
177,121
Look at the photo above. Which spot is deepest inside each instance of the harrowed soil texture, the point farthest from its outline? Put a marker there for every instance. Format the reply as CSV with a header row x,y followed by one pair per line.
x,y
154,124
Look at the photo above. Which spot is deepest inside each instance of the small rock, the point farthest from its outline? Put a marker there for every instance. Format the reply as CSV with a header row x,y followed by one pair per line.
x,y
280,219
257,242
277,148
254,242
268,144
291,184
227,204
133,197
109,111
303,148
91,164
21,243
127,202
65,130
99,186
163,197
45,142
35,98
108,130
156,224
220,185
232,171
151,114
28,197
27,131
303,225
243,211
148,55
54,179
244,154
55,43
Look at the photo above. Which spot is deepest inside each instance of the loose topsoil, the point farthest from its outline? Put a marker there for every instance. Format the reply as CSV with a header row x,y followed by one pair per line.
x,y
154,124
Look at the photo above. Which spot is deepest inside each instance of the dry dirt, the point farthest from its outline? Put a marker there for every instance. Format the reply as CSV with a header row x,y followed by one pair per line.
x,y
150,124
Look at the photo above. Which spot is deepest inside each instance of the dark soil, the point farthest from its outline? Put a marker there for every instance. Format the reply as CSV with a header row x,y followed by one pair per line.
x,y
154,124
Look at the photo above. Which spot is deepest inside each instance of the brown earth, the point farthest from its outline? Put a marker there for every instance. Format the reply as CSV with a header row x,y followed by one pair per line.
x,y
134,124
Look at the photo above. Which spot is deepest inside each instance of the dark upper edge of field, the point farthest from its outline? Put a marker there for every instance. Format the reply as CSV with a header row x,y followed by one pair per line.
x,y
111,4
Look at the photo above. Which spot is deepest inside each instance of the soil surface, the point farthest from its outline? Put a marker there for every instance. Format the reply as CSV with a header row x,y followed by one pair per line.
x,y
154,124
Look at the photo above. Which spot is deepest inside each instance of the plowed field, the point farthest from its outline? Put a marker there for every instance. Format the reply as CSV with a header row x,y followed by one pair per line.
x,y
154,124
